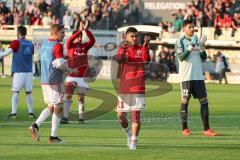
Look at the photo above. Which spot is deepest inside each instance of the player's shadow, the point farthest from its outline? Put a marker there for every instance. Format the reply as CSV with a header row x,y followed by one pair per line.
x,y
108,104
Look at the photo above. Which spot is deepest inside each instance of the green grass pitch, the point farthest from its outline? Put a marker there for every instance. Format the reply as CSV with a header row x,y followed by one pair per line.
x,y
102,137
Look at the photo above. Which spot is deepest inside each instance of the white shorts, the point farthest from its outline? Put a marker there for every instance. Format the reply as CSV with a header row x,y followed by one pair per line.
x,y
22,80
130,102
53,94
82,85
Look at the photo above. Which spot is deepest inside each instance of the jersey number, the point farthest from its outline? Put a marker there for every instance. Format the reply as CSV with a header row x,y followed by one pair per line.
x,y
185,92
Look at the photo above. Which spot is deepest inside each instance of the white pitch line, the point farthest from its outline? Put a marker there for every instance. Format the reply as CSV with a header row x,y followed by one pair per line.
x,y
145,120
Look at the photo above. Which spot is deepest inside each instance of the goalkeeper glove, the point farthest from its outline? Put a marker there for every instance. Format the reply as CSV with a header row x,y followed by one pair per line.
x,y
194,40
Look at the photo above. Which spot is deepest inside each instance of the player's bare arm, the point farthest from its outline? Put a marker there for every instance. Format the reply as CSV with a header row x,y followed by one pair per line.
x,y
5,53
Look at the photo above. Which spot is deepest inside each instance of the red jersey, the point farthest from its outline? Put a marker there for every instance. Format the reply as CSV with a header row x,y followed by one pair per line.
x,y
132,69
78,54
57,50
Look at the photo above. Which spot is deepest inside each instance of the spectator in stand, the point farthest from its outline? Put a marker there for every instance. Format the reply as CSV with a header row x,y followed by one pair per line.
x,y
91,18
43,6
3,8
235,23
67,19
32,8
2,19
163,26
9,19
124,2
170,27
46,20
208,17
182,14
177,22
20,6
227,21
38,20
98,13
199,19
55,20
190,14
106,11
217,25
236,6
16,16
27,19
222,21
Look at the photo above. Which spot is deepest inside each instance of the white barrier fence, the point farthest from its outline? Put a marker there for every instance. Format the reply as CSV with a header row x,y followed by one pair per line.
x,y
105,45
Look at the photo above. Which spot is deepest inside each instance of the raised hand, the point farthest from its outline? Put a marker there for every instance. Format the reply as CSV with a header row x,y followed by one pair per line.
x,y
86,24
202,42
146,40
124,45
194,40
81,26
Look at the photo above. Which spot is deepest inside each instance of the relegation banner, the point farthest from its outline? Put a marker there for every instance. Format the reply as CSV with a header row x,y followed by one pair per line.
x,y
153,11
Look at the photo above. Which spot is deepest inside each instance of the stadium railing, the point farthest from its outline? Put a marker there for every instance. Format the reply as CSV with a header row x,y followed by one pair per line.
x,y
9,32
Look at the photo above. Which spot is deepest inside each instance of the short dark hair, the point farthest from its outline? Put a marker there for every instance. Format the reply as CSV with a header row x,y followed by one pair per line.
x,y
22,30
186,22
131,29
56,28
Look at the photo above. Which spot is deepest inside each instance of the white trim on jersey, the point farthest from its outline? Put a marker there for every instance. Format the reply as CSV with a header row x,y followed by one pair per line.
x,y
58,62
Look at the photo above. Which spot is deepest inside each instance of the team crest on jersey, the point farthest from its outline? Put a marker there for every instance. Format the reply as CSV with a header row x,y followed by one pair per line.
x,y
78,51
180,50
139,53
27,51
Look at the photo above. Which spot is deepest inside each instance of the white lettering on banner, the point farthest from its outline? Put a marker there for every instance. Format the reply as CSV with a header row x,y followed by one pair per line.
x,y
164,5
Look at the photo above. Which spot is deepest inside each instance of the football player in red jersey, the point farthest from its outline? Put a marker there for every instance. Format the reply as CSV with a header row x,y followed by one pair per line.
x,y
78,58
132,59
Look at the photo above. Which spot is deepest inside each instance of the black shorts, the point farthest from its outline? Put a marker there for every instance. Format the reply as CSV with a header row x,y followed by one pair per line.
x,y
196,88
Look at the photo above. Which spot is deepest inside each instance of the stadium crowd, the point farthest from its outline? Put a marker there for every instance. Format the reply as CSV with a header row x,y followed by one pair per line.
x,y
45,14
220,14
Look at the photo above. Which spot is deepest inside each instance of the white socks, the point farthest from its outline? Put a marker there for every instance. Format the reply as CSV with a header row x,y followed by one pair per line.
x,y
43,116
55,123
55,120
30,103
134,139
66,108
15,96
80,109
14,102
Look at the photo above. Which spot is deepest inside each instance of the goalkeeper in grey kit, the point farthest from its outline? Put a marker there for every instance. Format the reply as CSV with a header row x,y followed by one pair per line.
x,y
190,53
